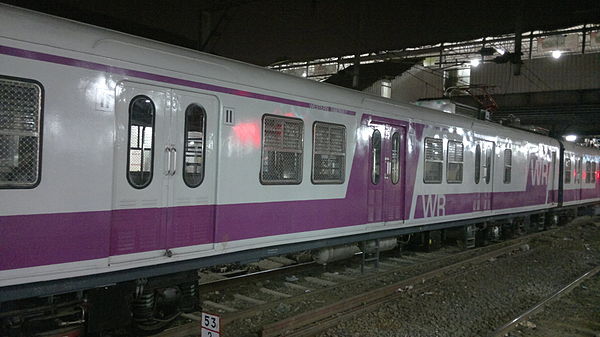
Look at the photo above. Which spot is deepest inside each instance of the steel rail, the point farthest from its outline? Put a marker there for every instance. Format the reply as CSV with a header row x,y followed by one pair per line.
x,y
314,321
188,328
503,330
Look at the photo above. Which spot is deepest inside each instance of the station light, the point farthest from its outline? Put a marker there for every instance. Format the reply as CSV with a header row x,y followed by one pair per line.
x,y
556,54
571,138
500,50
475,62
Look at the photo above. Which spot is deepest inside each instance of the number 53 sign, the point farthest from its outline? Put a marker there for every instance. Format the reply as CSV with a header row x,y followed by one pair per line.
x,y
210,325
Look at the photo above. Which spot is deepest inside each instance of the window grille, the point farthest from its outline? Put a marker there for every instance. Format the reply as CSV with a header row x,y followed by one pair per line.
x,y
477,164
141,141
434,160
507,166
455,162
282,150
375,157
329,153
193,161
568,171
20,133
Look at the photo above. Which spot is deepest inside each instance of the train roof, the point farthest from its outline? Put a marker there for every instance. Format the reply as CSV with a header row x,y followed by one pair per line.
x,y
71,36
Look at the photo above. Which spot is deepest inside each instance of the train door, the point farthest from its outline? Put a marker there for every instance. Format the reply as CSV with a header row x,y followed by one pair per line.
x,y
140,184
484,172
386,188
192,176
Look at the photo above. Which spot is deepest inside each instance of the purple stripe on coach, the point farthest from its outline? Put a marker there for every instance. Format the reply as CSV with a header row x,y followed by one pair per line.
x,y
23,53
41,239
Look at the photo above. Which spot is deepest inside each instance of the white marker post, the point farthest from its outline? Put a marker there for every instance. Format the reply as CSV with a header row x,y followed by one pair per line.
x,y
210,325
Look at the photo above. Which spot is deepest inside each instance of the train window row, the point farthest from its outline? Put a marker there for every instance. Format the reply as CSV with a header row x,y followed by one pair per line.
x,y
283,148
591,168
434,163
21,103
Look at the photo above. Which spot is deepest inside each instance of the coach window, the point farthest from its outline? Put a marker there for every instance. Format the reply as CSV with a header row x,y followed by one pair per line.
x,y
375,157
141,141
329,153
568,171
488,165
477,164
454,174
593,178
507,166
395,158
282,150
434,160
588,172
193,161
20,132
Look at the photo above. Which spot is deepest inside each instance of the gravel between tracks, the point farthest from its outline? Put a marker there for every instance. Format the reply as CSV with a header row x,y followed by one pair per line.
x,y
478,302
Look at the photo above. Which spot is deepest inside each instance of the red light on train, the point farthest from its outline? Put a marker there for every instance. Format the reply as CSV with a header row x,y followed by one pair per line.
x,y
247,134
583,175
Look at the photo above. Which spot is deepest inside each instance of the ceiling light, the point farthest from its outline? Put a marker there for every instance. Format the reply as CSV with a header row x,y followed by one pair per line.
x,y
475,62
500,50
571,138
556,54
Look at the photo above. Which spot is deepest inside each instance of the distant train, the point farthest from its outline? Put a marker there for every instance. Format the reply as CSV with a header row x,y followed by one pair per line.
x,y
128,164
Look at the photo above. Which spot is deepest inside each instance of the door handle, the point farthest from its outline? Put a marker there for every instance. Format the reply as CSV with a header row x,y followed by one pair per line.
x,y
168,160
174,166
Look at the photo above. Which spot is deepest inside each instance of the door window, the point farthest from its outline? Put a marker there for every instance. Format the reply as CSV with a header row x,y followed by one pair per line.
x,y
193,161
141,141
376,157
395,158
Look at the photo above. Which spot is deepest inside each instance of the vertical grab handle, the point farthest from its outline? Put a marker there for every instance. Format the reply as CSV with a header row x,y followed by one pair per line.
x,y
168,160
174,164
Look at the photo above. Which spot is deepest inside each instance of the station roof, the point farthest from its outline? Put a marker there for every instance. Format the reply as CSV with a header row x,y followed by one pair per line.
x,y
264,32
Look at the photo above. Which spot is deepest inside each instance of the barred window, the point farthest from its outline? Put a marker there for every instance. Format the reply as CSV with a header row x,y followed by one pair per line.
x,y
568,171
507,166
282,150
375,157
434,160
477,164
454,172
588,172
329,153
20,133
141,141
193,161
594,172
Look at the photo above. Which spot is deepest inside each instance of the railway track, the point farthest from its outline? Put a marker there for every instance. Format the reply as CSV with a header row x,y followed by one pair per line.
x,y
281,294
559,301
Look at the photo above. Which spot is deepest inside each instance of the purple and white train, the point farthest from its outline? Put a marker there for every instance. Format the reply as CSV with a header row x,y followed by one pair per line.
x,y
124,159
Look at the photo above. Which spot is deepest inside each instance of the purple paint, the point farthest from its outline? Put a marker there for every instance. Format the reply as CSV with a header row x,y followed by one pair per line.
x,y
42,239
28,54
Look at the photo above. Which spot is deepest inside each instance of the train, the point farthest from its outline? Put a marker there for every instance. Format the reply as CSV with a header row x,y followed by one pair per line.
x,y
128,164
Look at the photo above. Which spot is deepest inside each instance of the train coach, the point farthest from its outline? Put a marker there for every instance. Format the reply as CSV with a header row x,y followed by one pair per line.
x,y
128,164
